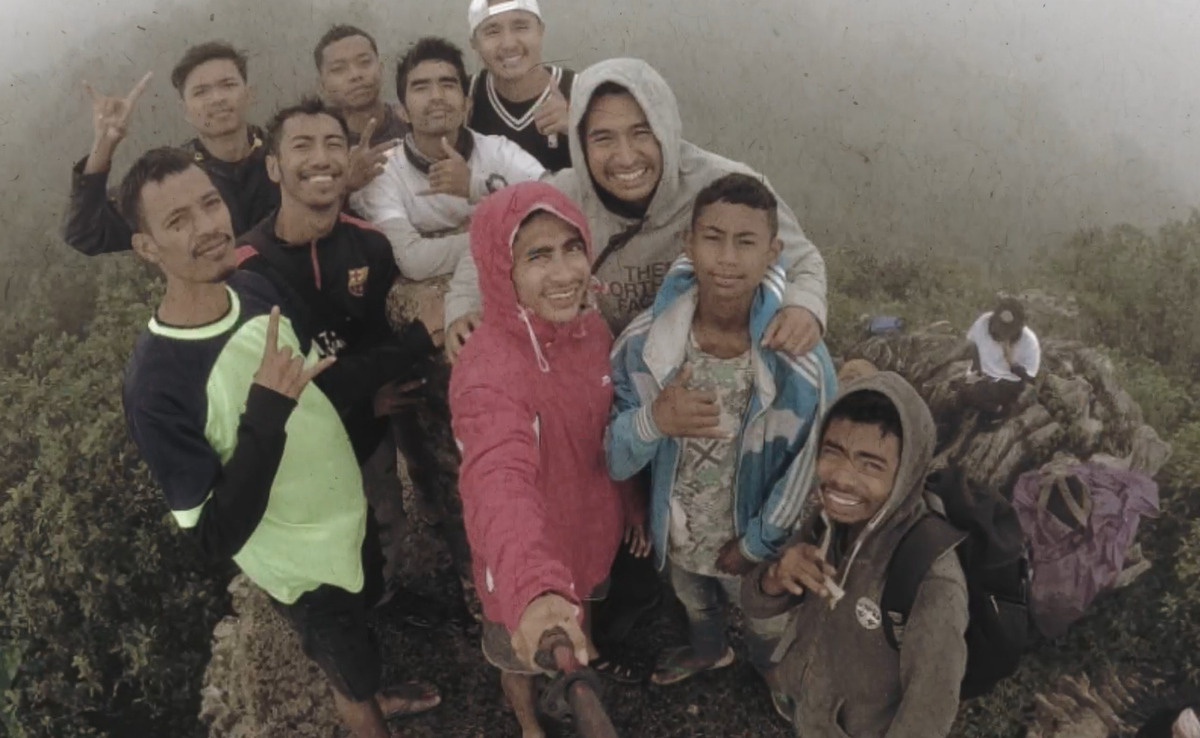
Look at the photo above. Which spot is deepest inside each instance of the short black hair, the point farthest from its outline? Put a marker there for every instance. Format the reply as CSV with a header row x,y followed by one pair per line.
x,y
1007,319
430,48
338,33
867,407
203,53
309,105
604,89
739,189
151,167
608,89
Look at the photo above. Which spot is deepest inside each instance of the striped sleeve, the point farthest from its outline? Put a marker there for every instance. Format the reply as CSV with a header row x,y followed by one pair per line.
x,y
776,520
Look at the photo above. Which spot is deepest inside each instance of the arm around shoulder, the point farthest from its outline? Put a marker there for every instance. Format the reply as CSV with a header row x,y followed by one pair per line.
x,y
805,267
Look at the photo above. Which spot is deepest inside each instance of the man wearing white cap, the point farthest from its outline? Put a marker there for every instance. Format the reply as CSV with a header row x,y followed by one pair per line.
x,y
516,95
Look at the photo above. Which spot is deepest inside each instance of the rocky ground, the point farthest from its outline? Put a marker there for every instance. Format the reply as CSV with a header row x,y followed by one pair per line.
x,y
259,685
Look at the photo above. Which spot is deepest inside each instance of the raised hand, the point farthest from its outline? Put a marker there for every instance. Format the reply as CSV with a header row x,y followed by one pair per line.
x,y
551,117
110,121
282,371
687,413
366,161
450,176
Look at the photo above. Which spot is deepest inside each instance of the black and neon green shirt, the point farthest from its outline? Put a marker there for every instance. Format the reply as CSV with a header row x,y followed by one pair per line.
x,y
254,475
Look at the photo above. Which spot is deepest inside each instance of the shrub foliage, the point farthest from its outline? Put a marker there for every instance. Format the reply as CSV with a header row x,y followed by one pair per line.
x,y
107,609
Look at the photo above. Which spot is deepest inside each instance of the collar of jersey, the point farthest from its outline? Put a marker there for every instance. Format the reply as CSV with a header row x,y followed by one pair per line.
x,y
519,124
201,332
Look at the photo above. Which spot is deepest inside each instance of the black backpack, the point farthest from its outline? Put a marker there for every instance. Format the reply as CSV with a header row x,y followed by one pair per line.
x,y
984,531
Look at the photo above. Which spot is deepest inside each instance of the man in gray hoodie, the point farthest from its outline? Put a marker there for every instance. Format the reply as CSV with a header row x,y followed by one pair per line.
x,y
837,674
637,189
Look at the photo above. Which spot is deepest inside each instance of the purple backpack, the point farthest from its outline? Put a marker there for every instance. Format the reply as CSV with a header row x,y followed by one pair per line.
x,y
1080,519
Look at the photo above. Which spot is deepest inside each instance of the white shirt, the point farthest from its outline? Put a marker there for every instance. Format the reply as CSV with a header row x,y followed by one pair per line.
x,y
428,232
1026,352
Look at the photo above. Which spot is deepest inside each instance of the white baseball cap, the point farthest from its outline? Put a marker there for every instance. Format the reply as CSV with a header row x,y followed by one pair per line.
x,y
480,10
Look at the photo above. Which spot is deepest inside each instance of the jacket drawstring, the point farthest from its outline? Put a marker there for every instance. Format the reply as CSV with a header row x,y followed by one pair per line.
x,y
537,349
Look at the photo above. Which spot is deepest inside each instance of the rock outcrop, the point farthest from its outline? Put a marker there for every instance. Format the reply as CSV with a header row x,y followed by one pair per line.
x,y
1075,407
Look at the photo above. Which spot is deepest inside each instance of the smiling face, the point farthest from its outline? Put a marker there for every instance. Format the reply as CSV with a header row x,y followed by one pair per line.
x,y
351,74
510,43
215,98
623,155
311,162
185,228
434,102
551,269
857,468
731,247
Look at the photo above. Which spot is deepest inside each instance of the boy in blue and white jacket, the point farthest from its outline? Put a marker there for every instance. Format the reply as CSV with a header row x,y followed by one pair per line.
x,y
725,424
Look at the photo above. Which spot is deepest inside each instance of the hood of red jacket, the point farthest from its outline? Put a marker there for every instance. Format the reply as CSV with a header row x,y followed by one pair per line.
x,y
494,226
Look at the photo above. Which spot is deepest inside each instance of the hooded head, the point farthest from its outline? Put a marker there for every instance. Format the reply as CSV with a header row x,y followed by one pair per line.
x,y
876,445
533,250
628,132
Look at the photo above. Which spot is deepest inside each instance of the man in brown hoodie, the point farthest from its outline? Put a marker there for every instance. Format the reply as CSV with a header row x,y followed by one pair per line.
x,y
837,675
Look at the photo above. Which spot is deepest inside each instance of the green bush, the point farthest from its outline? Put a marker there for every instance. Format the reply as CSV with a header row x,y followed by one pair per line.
x,y
1137,292
107,608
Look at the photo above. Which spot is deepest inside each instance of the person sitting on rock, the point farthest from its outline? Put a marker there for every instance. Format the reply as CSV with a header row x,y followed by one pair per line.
x,y
530,397
1007,353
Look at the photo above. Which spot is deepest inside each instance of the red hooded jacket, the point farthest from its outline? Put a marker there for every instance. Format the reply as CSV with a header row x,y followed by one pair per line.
x,y
530,401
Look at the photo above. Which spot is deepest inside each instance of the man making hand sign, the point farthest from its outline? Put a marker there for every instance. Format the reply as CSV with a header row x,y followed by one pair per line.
x,y
215,94
110,119
424,198
251,456
875,448
516,95
728,438
351,77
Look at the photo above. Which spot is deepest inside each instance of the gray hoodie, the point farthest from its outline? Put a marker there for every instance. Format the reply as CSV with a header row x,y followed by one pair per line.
x,y
631,274
836,663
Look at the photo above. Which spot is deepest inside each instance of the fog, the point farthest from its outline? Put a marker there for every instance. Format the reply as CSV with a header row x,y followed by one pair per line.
x,y
978,128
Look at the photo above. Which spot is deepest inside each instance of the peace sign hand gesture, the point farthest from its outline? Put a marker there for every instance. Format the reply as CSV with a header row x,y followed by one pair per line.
x,y
366,161
282,371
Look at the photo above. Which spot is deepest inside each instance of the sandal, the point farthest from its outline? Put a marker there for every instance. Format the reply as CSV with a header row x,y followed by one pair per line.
x,y
677,664
784,705
617,671
410,698
414,608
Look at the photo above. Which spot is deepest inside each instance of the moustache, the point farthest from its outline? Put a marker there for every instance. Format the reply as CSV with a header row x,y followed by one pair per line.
x,y
210,244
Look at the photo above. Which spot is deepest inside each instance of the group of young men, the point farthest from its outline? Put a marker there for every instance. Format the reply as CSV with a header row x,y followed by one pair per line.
x,y
445,276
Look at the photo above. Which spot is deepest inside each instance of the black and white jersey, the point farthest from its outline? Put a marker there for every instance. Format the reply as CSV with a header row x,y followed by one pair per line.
x,y
495,116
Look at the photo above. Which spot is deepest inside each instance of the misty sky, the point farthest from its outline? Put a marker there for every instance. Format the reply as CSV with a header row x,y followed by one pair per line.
x,y
890,123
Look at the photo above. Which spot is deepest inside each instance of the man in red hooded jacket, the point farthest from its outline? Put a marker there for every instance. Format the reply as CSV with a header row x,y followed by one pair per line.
x,y
530,397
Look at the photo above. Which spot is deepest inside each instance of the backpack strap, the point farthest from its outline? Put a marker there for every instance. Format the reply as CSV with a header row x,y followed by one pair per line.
x,y
924,543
